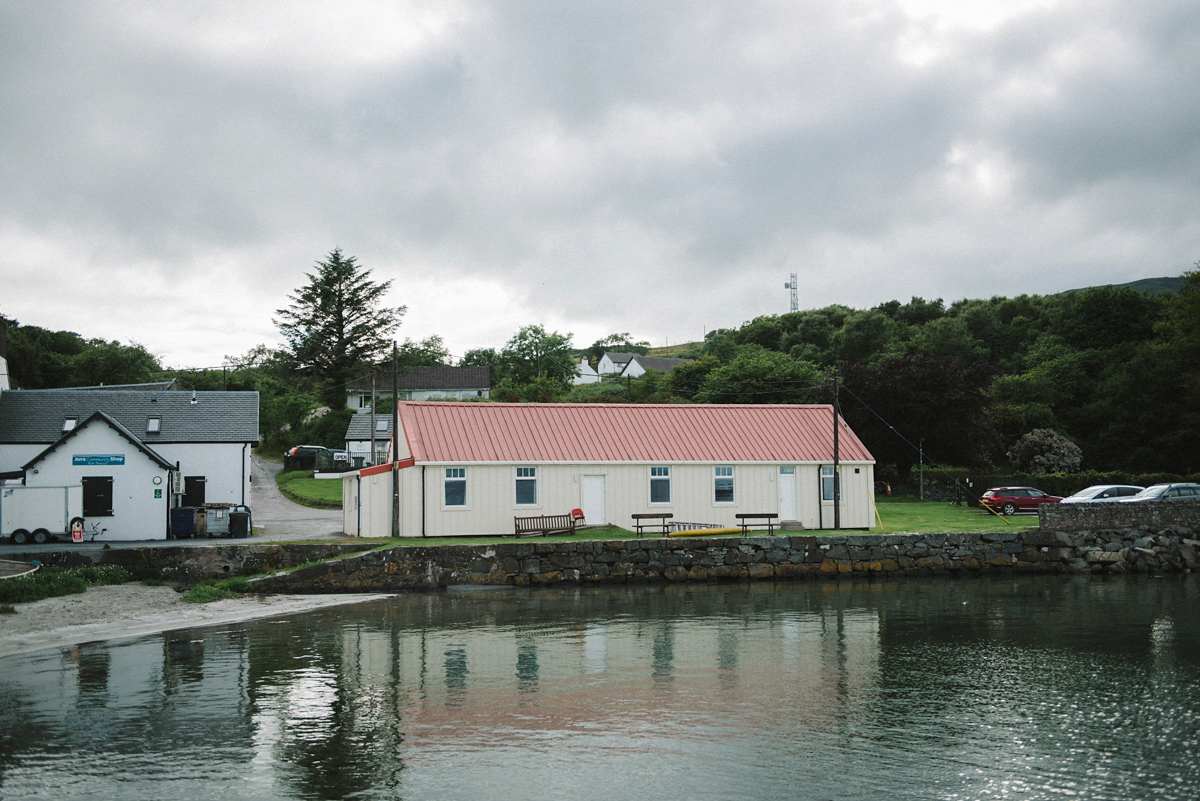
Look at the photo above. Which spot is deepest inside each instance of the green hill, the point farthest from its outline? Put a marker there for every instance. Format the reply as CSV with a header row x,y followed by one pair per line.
x,y
1151,286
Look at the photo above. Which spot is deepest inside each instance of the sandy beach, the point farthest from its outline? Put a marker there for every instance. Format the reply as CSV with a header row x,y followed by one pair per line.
x,y
135,610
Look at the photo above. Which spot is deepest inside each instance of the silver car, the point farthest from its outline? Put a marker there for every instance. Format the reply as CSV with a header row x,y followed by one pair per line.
x,y
1167,492
1103,492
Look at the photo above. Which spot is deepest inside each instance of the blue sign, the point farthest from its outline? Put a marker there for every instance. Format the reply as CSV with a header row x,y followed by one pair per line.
x,y
98,459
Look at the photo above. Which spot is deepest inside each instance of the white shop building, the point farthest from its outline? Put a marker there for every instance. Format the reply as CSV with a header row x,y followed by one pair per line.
x,y
137,453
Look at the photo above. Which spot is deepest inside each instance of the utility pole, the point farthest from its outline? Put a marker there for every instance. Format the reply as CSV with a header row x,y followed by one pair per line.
x,y
373,457
921,462
395,446
837,476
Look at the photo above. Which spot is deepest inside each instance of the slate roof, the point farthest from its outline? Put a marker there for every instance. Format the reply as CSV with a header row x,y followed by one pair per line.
x,y
619,358
360,427
33,416
153,386
449,378
662,364
640,433
101,417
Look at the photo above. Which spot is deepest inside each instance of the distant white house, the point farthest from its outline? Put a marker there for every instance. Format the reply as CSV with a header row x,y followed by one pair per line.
x,y
422,383
638,365
358,438
585,374
470,468
613,362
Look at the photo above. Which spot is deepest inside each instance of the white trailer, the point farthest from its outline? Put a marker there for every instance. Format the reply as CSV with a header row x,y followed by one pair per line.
x,y
39,514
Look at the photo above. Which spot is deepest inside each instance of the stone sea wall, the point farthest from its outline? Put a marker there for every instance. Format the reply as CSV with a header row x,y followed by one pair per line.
x,y
1157,515
409,568
193,563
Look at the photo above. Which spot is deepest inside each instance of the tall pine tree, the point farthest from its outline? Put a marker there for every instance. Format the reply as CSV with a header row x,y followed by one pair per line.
x,y
337,323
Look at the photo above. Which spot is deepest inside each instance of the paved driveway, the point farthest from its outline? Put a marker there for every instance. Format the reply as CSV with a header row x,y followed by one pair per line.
x,y
281,519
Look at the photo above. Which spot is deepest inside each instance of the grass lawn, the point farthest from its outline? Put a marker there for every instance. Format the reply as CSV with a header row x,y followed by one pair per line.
x,y
910,514
301,487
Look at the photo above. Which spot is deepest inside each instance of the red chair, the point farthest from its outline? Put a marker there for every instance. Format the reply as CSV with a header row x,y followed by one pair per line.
x,y
577,515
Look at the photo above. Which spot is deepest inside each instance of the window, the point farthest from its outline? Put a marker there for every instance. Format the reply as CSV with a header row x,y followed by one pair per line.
x,y
97,496
827,483
526,486
69,423
456,486
660,485
153,425
723,485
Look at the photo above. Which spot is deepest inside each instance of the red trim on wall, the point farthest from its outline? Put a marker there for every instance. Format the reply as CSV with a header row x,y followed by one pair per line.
x,y
386,468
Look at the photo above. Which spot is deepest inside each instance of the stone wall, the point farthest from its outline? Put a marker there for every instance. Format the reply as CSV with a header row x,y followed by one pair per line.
x,y
1117,515
193,563
409,568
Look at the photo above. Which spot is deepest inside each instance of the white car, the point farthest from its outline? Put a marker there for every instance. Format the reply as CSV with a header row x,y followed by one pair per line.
x,y
1103,492
1167,492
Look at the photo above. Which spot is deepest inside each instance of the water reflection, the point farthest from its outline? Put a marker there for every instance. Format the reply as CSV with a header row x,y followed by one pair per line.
x,y
1031,688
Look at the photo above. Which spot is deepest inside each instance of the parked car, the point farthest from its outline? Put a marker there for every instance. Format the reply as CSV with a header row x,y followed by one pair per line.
x,y
1167,492
305,457
1010,500
1103,492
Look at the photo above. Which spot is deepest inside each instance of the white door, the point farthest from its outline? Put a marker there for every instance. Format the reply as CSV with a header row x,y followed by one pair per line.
x,y
787,493
593,500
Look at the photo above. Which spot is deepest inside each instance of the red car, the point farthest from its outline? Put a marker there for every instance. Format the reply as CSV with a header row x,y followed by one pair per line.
x,y
1010,500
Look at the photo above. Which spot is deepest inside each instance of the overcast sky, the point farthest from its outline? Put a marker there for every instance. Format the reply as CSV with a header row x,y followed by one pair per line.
x,y
170,171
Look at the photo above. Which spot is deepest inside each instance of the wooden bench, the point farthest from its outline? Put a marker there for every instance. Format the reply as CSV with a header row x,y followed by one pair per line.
x,y
662,519
748,519
544,525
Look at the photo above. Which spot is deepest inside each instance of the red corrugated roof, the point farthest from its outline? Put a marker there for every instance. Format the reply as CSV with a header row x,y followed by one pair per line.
x,y
593,432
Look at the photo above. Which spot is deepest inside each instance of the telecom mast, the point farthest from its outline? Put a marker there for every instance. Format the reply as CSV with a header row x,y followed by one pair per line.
x,y
794,285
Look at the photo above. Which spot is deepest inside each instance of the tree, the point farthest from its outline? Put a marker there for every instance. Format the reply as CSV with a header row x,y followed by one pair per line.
x,y
1044,450
760,376
903,400
482,357
617,343
337,323
533,353
429,352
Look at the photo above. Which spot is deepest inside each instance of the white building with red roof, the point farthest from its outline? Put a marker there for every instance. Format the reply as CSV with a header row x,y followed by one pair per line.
x,y
470,468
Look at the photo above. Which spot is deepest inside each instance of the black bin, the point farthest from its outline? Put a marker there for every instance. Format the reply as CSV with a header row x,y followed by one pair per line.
x,y
184,522
239,524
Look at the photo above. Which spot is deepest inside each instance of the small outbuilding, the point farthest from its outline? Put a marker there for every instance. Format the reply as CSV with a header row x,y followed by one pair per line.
x,y
470,468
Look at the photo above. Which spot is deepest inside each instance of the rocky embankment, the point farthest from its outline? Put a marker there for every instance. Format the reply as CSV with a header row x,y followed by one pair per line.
x,y
409,568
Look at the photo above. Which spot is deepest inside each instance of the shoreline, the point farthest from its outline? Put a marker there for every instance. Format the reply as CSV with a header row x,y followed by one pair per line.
x,y
123,611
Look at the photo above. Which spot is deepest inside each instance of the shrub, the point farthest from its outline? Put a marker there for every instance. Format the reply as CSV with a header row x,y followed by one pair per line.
x,y
1044,450
51,582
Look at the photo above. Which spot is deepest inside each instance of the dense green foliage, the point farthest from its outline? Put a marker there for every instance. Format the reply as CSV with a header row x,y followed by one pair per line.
x,y
42,359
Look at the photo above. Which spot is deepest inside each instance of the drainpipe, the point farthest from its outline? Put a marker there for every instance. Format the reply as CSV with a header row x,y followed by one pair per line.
x,y
244,446
423,500
358,505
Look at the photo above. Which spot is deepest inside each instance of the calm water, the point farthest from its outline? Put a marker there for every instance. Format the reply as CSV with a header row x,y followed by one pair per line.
x,y
1020,689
